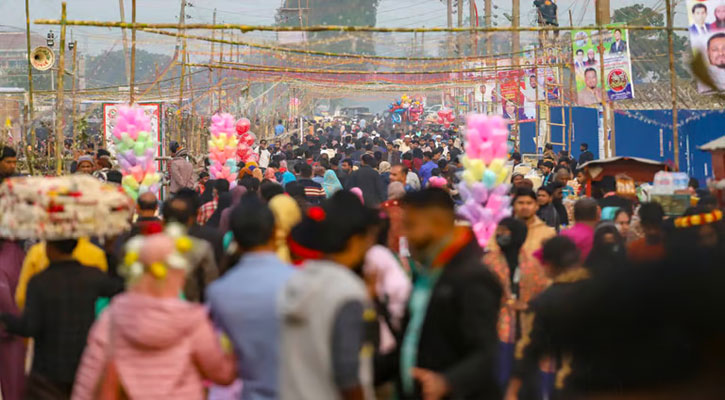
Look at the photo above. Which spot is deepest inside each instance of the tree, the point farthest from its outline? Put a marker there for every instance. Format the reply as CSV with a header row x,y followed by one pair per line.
x,y
109,69
650,49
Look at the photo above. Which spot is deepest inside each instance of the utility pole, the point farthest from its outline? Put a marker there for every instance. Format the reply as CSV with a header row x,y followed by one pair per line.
x,y
59,96
125,42
75,93
515,23
182,22
449,18
211,60
673,85
459,43
487,10
30,84
474,22
603,18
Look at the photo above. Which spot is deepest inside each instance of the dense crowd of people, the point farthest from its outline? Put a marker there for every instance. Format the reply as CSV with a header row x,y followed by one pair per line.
x,y
336,267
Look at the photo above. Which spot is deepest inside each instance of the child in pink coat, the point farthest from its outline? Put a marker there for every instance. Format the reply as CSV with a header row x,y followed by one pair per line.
x,y
162,346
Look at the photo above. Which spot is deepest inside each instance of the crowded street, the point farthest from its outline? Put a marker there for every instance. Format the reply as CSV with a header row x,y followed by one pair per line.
x,y
331,199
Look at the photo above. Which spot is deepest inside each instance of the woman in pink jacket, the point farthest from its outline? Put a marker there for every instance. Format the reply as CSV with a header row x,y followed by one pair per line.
x,y
161,346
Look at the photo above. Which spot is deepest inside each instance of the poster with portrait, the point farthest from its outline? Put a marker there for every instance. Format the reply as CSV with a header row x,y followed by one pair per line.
x,y
511,96
706,24
617,65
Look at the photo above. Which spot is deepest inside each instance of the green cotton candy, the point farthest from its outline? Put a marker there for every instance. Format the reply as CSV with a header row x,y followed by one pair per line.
x,y
139,148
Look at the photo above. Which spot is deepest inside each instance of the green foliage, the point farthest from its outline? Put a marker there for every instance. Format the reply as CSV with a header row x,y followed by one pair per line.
x,y
650,49
109,69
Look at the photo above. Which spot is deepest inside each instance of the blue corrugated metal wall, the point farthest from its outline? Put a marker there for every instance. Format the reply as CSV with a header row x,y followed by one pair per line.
x,y
649,139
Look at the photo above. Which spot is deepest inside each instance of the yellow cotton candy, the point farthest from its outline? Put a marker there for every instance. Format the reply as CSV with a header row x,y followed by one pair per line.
x,y
477,168
468,177
502,176
465,162
496,165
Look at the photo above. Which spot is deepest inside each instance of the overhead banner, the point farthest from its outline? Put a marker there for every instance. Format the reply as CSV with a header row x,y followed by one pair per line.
x,y
707,37
617,65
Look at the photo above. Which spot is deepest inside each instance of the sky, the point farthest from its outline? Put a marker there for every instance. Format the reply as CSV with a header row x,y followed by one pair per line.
x,y
391,13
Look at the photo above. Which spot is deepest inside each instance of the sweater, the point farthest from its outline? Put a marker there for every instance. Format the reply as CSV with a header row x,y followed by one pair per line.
x,y
309,306
163,348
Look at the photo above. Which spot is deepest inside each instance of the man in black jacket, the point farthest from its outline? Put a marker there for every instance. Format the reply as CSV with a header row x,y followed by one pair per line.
x,y
449,345
59,312
369,182
585,155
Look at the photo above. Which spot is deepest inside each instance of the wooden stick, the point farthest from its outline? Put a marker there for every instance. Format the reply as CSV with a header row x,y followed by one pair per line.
x,y
673,85
340,28
59,96
132,79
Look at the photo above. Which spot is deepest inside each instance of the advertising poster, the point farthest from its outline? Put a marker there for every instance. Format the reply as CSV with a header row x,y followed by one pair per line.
x,y
617,65
706,24
512,99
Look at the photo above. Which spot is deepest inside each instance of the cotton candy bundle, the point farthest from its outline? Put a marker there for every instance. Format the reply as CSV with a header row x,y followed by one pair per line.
x,y
135,149
483,186
223,148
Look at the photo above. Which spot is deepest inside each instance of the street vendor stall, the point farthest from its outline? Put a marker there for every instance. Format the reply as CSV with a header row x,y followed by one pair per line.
x,y
639,169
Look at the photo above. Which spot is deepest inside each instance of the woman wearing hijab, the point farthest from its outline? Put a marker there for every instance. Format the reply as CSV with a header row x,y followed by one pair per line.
x,y
224,202
226,214
288,177
208,194
608,249
520,281
286,215
330,183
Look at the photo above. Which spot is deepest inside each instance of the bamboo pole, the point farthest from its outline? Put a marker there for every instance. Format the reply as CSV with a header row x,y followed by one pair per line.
x,y
125,40
219,72
74,94
317,53
132,79
673,84
211,59
268,68
489,42
572,94
339,28
605,100
59,96
31,108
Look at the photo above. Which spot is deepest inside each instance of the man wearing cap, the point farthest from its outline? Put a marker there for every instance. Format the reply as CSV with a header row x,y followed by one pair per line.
x,y
326,313
85,165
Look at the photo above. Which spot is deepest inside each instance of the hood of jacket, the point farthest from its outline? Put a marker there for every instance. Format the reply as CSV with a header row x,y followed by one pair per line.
x,y
151,322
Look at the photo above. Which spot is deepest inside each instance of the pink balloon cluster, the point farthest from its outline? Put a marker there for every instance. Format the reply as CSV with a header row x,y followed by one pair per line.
x,y
486,202
246,140
223,148
486,138
135,149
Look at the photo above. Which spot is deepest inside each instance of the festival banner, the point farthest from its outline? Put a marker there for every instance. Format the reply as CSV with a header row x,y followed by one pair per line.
x,y
617,65
707,37
511,93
